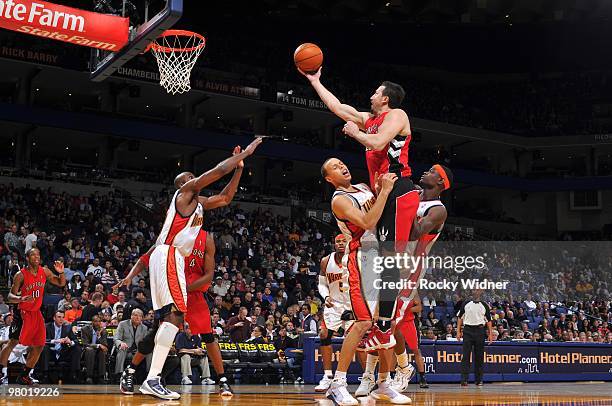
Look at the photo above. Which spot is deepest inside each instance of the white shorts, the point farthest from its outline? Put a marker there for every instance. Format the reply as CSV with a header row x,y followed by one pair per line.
x,y
167,276
332,317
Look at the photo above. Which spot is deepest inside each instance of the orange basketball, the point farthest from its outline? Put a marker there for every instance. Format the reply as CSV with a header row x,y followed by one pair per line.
x,y
308,57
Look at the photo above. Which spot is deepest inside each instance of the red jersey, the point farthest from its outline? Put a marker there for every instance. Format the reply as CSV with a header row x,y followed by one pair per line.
x,y
409,315
393,158
195,261
33,285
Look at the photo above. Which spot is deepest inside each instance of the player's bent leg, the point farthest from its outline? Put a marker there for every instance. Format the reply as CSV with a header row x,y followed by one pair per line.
x,y
404,371
214,354
4,356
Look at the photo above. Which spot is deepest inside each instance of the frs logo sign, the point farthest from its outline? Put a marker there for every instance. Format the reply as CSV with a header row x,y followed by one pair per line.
x,y
38,14
62,23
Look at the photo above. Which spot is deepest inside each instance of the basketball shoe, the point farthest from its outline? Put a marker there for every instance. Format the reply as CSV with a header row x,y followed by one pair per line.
x,y
402,378
378,339
339,394
324,384
367,384
383,391
155,388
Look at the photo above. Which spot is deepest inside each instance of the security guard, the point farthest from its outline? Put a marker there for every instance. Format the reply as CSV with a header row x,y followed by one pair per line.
x,y
473,317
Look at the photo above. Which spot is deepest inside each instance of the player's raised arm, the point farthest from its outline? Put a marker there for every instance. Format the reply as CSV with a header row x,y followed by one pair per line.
x,y
395,121
227,194
344,209
193,186
344,111
55,279
209,265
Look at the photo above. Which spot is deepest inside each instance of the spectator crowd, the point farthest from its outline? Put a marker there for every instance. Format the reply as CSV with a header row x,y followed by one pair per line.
x,y
264,288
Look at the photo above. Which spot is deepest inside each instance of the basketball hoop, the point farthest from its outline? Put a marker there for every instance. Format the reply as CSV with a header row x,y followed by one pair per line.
x,y
176,52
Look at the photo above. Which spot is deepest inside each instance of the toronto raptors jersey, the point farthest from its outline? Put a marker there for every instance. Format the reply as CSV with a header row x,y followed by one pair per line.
x,y
195,261
181,232
337,280
426,241
363,199
33,285
393,158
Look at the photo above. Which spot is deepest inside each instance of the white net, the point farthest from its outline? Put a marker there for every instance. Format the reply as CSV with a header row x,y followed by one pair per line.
x,y
176,54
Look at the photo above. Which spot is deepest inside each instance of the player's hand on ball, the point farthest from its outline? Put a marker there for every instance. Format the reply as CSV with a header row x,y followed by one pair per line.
x,y
312,77
27,298
253,145
351,129
387,181
236,151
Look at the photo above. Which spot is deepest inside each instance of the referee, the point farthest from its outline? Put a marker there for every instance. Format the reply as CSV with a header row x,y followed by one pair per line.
x,y
472,317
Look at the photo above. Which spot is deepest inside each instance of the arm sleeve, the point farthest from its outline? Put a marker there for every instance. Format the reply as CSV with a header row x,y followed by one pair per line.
x,y
462,310
323,288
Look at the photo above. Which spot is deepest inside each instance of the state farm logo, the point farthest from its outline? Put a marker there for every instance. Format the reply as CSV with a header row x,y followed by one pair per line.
x,y
38,14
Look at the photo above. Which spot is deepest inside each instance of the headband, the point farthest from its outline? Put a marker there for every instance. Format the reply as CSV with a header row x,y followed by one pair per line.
x,y
339,236
442,174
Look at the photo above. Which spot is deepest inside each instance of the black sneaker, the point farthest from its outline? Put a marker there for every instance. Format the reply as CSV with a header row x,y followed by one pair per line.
x,y
126,382
224,388
464,383
26,380
423,384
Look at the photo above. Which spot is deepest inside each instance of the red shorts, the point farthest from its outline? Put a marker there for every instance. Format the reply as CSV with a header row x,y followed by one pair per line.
x,y
198,314
408,330
33,330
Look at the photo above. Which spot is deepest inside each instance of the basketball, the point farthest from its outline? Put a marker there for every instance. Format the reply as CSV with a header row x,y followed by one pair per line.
x,y
308,57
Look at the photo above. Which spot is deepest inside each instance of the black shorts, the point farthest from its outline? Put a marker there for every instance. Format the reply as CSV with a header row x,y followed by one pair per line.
x,y
16,326
397,218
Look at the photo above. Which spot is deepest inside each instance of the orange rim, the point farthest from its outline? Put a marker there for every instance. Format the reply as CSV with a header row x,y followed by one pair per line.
x,y
178,33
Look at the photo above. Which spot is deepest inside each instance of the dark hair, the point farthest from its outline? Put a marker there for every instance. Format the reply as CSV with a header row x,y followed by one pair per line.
x,y
323,170
394,92
136,291
449,175
59,311
97,296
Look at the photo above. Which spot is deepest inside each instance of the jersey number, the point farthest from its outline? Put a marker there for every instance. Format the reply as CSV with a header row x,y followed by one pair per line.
x,y
36,294
192,263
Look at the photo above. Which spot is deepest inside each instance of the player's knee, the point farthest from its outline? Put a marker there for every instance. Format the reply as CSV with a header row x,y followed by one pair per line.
x,y
146,345
327,338
208,338
362,326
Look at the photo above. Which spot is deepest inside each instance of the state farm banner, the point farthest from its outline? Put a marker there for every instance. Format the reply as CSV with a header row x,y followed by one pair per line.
x,y
67,24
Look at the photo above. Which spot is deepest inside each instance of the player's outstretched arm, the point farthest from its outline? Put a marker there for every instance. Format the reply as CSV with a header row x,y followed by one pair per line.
x,y
344,111
227,194
343,207
57,280
209,265
223,168
395,121
435,217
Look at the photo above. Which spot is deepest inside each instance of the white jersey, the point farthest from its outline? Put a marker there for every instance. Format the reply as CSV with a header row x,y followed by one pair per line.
x,y
427,241
363,199
337,277
181,232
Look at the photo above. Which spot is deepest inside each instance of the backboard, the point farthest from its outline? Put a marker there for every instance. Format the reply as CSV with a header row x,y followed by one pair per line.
x,y
148,20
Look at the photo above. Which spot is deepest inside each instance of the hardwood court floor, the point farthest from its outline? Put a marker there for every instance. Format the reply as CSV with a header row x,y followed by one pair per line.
x,y
553,394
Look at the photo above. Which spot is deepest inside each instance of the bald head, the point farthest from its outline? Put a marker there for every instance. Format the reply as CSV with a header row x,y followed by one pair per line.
x,y
182,178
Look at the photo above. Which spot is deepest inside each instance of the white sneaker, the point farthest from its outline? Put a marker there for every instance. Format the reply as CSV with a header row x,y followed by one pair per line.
x,y
385,392
207,381
155,388
324,384
338,393
186,381
402,378
366,385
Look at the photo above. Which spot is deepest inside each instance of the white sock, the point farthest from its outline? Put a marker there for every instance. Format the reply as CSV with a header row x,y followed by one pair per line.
x,y
329,373
340,375
402,360
4,370
382,377
163,341
371,362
